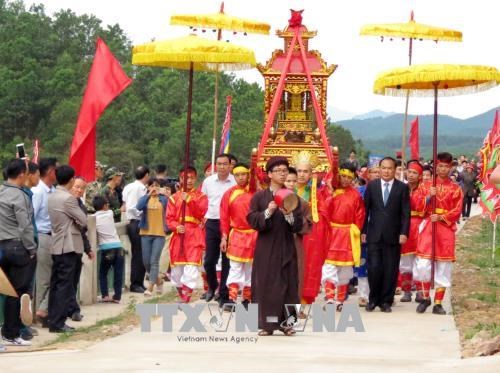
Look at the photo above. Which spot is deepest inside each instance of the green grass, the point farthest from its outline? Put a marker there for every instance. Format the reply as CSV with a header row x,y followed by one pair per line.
x,y
486,297
492,328
129,310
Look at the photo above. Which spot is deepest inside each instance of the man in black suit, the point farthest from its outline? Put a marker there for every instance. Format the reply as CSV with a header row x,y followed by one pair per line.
x,y
386,228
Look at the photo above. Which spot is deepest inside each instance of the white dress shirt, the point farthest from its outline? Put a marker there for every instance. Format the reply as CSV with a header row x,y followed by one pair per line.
x,y
41,208
131,194
214,189
382,184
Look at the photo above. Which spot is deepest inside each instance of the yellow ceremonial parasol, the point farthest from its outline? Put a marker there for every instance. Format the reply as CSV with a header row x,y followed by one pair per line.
x,y
192,53
413,31
434,80
221,21
218,22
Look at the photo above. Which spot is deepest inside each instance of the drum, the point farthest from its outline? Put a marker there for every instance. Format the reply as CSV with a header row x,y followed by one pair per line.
x,y
286,199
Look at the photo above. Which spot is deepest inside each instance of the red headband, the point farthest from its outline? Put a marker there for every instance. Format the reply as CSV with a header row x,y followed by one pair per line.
x,y
416,167
189,172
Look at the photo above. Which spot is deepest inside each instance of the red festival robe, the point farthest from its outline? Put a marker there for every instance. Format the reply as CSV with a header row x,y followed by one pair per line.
x,y
449,205
345,211
315,248
418,206
194,236
234,207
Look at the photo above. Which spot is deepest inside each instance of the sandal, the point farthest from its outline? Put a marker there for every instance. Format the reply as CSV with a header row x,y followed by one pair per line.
x,y
265,333
289,332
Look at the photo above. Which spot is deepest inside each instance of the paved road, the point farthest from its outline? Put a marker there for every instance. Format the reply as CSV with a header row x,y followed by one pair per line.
x,y
401,341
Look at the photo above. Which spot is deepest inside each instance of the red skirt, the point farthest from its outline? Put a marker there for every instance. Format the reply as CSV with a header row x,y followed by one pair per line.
x,y
241,245
410,247
194,244
445,242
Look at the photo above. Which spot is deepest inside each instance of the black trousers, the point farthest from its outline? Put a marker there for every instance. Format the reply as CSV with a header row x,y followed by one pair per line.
x,y
137,270
212,254
61,287
16,263
466,206
383,266
73,304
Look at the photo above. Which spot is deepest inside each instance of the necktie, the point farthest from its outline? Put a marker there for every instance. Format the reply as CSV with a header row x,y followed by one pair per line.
x,y
386,193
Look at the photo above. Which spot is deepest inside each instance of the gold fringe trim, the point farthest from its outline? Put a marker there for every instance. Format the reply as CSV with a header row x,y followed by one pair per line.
x,y
220,21
314,199
420,80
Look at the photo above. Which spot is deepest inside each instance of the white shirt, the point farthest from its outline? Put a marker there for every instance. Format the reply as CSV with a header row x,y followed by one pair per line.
x,y
107,237
131,194
382,183
41,208
214,188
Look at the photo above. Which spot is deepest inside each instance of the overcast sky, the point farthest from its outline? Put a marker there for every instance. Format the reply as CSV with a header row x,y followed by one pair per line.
x,y
338,23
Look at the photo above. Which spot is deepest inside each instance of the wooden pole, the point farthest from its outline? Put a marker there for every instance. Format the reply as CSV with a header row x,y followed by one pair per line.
x,y
405,120
186,148
216,104
216,99
434,164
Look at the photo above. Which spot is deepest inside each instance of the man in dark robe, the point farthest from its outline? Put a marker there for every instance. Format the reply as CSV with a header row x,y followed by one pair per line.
x,y
275,270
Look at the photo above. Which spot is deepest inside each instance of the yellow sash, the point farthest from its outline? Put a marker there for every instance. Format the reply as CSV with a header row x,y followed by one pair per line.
x,y
417,213
355,240
191,219
441,211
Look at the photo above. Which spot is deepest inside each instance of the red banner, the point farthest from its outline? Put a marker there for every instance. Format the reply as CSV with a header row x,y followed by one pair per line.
x,y
413,140
106,81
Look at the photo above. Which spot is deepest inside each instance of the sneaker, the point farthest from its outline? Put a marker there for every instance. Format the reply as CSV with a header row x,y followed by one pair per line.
x,y
362,302
32,330
422,307
16,341
26,334
406,297
26,314
3,348
438,310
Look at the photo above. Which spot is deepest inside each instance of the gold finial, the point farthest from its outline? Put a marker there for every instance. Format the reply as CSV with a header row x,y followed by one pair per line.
x,y
304,157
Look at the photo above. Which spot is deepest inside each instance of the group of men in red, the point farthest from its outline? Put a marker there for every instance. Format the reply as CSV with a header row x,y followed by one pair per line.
x,y
332,245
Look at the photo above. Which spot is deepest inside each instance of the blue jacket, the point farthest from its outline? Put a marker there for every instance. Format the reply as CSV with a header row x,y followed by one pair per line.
x,y
142,205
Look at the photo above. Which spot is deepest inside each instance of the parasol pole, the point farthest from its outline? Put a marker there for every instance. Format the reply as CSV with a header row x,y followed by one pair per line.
x,y
186,149
216,98
405,120
434,163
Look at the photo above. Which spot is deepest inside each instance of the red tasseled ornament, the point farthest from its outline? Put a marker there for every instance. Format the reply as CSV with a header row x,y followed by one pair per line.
x,y
296,18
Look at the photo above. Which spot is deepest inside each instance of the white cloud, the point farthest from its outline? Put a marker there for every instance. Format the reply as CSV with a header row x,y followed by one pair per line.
x,y
338,23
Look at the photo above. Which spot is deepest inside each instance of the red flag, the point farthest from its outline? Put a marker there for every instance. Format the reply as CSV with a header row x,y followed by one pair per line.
x,y
106,81
36,151
413,140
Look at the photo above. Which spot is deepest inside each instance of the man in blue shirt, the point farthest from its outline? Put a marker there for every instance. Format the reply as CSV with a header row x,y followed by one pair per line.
x,y
41,193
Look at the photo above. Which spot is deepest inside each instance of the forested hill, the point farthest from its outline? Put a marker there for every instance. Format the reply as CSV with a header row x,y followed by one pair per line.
x,y
44,64
381,134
